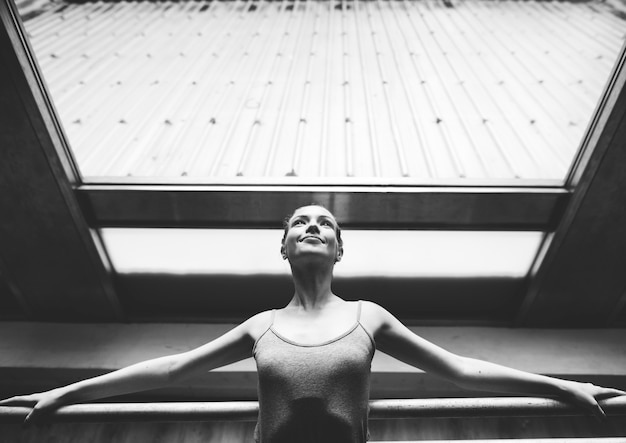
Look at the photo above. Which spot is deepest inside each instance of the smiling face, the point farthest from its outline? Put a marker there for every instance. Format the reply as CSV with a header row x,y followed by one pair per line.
x,y
312,232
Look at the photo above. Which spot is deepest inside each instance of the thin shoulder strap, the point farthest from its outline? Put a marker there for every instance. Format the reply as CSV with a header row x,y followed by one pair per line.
x,y
272,317
265,332
358,312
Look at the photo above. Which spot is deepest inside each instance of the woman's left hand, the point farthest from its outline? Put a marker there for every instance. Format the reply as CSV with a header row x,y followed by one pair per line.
x,y
586,395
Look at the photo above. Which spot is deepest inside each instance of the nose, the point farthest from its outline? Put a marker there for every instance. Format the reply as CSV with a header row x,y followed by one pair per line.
x,y
313,228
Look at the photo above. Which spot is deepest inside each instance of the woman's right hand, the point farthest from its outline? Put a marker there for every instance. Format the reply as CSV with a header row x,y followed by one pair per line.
x,y
42,403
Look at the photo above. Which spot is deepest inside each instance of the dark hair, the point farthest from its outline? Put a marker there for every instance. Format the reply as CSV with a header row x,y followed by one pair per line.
x,y
288,217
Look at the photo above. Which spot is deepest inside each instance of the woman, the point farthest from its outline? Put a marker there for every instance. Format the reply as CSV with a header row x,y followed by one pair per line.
x,y
313,356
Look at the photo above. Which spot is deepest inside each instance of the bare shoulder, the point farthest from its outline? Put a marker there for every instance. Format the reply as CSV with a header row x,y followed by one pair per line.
x,y
374,317
373,309
256,325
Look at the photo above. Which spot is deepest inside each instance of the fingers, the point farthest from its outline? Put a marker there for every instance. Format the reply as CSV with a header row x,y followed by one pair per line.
x,y
7,401
40,407
32,417
610,392
591,405
600,392
585,394
22,400
18,400
39,414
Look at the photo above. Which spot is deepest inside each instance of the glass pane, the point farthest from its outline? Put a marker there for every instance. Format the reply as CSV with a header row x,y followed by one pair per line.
x,y
367,252
412,91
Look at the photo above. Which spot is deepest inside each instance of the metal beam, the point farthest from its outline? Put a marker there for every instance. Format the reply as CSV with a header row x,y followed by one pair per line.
x,y
476,208
379,409
50,257
487,300
580,280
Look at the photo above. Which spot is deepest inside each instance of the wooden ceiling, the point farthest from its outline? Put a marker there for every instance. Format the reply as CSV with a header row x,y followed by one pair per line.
x,y
53,266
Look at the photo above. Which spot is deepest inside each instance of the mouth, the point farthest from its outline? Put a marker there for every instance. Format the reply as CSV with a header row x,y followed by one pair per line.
x,y
312,237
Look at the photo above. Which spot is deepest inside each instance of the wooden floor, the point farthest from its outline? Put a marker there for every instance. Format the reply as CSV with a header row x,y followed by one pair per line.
x,y
381,430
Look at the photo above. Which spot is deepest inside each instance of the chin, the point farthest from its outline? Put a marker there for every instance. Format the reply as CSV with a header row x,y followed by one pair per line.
x,y
312,256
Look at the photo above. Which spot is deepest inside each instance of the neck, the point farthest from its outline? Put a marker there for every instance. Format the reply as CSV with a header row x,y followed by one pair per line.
x,y
312,287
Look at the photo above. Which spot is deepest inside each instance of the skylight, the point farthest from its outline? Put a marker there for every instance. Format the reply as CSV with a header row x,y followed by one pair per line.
x,y
411,91
367,252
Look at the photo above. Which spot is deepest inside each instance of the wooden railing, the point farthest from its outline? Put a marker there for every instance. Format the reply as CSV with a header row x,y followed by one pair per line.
x,y
379,409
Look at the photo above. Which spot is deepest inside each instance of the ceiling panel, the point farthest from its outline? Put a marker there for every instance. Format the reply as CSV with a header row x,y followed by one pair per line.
x,y
408,90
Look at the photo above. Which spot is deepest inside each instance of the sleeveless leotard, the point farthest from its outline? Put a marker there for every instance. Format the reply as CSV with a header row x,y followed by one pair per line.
x,y
314,393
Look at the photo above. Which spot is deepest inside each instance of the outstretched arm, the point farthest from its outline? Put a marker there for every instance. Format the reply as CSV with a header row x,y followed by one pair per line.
x,y
395,339
233,346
